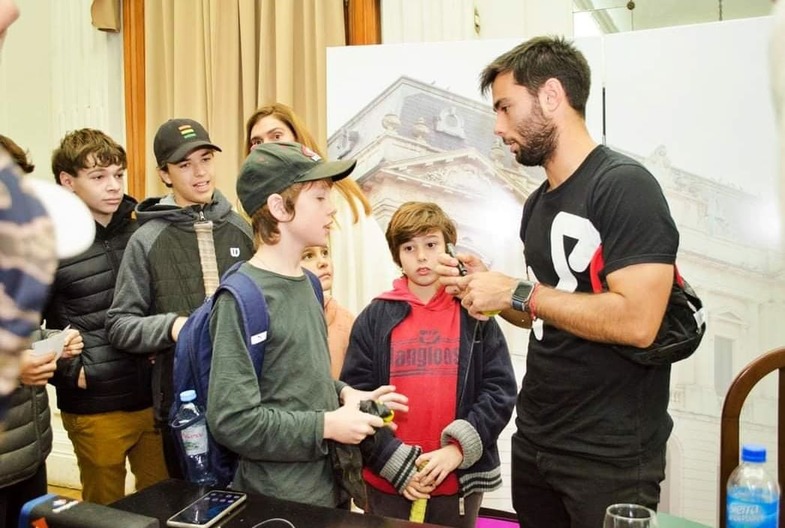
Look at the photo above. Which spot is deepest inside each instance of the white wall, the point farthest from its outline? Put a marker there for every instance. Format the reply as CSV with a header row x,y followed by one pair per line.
x,y
58,73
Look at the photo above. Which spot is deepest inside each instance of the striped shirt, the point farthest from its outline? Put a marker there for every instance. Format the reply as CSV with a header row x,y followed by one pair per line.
x,y
27,265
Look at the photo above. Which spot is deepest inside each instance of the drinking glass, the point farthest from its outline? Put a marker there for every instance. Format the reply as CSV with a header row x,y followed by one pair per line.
x,y
629,516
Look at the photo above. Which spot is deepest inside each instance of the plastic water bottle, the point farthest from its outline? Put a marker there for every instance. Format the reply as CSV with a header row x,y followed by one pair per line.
x,y
194,436
753,494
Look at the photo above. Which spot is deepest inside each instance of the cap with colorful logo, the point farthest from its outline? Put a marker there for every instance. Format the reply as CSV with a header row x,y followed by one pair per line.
x,y
271,168
177,138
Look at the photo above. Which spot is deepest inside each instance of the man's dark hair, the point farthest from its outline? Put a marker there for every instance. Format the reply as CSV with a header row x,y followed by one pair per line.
x,y
539,59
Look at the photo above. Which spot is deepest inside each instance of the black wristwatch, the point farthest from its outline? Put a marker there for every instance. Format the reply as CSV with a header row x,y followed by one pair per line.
x,y
521,295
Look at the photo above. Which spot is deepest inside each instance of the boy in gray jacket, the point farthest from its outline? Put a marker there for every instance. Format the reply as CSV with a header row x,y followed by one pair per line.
x,y
185,241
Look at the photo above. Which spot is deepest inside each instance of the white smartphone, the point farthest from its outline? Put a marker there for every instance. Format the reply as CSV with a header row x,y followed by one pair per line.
x,y
208,509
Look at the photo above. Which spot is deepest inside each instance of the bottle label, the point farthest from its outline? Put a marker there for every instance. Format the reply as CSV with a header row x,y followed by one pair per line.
x,y
195,439
749,514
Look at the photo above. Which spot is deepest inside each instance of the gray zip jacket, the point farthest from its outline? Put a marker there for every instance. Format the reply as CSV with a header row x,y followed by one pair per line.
x,y
160,279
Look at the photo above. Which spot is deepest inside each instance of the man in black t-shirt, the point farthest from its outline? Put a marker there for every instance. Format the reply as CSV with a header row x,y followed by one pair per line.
x,y
592,425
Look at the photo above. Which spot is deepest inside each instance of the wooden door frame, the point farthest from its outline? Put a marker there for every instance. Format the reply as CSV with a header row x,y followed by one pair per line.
x,y
362,20
134,84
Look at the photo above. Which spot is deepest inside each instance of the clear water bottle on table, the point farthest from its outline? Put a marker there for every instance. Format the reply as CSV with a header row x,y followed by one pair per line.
x,y
753,494
191,425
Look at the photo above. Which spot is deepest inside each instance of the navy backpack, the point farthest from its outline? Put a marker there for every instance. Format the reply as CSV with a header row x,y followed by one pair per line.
x,y
194,351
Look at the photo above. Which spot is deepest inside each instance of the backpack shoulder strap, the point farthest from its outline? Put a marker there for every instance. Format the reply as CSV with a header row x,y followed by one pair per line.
x,y
595,267
253,312
317,286
597,263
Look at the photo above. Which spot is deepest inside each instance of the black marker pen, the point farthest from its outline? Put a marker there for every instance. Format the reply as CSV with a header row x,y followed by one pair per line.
x,y
461,267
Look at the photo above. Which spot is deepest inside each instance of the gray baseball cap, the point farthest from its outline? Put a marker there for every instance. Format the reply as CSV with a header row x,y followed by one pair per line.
x,y
271,168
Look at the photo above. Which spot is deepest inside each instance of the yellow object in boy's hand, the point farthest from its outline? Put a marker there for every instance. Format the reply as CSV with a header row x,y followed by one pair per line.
x,y
492,313
377,408
417,513
388,417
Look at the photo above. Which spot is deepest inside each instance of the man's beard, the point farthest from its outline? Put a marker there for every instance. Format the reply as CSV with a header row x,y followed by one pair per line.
x,y
538,137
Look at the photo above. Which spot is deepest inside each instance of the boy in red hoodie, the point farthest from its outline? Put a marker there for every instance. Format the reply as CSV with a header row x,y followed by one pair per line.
x,y
455,370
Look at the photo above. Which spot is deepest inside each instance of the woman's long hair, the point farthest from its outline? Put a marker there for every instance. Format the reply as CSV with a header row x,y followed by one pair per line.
x,y
347,186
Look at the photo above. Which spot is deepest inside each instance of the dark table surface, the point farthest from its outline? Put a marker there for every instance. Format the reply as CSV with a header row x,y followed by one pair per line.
x,y
170,496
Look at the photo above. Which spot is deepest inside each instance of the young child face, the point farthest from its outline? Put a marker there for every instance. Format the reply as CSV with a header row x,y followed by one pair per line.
x,y
313,215
419,258
192,179
100,188
317,260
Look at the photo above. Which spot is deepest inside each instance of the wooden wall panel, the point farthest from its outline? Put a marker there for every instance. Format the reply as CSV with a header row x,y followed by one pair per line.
x,y
363,22
133,67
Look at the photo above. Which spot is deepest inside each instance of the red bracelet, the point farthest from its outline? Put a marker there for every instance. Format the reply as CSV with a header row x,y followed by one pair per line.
x,y
532,311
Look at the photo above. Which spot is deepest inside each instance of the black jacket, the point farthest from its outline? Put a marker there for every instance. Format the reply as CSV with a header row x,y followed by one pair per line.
x,y
26,439
82,293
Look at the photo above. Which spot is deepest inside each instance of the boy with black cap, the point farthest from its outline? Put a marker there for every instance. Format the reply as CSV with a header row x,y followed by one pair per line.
x,y
185,241
282,425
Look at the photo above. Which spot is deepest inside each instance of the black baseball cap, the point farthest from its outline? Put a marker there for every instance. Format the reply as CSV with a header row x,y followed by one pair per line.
x,y
271,168
177,138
